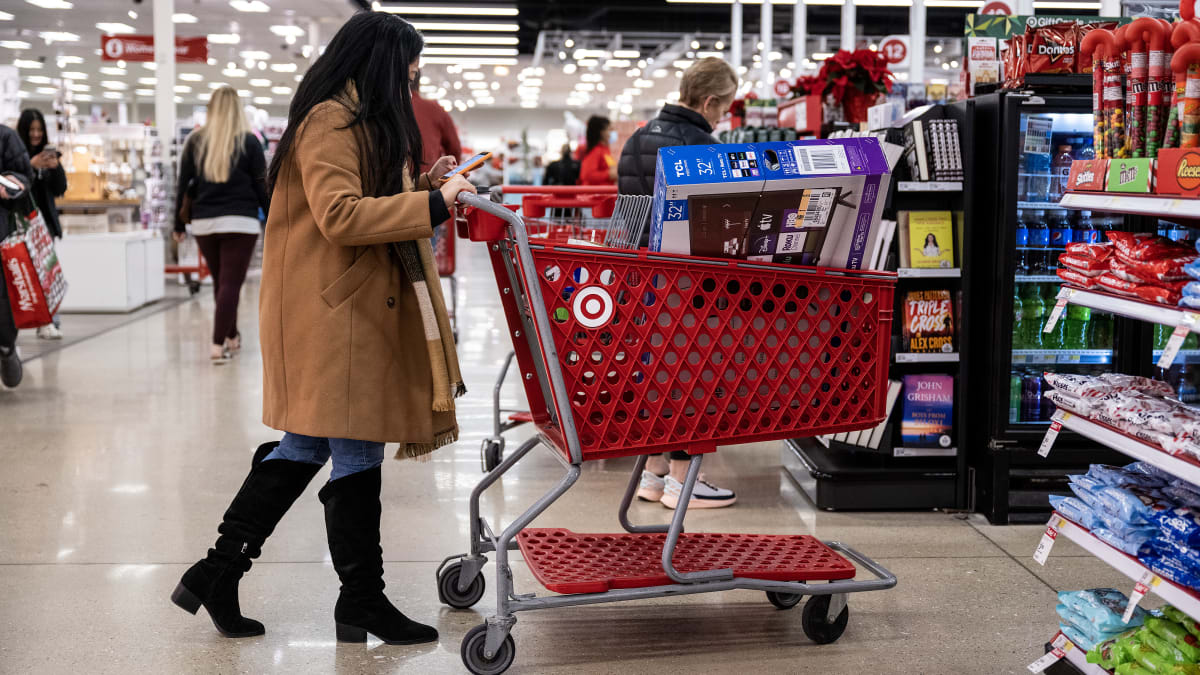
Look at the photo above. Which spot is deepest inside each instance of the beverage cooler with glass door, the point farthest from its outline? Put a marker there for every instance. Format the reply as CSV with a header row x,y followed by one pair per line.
x,y
1025,143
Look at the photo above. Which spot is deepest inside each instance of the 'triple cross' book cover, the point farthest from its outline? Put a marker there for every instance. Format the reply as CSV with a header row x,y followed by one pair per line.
x,y
928,411
928,321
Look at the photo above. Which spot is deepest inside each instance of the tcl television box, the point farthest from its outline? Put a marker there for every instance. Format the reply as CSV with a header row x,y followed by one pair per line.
x,y
801,202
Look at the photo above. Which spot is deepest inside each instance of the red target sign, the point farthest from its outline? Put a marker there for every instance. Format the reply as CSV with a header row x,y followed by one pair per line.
x,y
895,51
997,7
782,88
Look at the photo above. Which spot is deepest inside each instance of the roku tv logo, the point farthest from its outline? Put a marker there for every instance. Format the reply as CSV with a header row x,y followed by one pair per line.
x,y
1187,172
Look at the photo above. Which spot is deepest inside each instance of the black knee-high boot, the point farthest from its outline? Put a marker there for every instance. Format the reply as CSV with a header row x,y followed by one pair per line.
x,y
266,494
352,513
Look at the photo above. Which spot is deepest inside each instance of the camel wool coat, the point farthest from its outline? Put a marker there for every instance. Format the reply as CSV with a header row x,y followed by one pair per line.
x,y
343,347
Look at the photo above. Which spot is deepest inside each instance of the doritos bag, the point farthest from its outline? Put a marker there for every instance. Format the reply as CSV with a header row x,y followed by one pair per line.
x,y
1051,49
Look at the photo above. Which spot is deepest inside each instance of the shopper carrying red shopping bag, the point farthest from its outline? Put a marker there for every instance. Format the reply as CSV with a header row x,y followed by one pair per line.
x,y
706,91
356,344
225,172
36,285
15,169
49,183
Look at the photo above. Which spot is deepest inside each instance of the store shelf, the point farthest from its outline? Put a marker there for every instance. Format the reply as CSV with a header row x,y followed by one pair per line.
x,y
930,186
1128,307
1146,205
932,357
1184,355
1076,655
924,452
1037,279
930,273
1185,600
1134,447
1042,206
1068,356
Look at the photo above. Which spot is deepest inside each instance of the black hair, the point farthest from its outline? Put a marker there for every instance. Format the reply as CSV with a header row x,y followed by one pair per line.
x,y
596,125
931,236
371,52
28,115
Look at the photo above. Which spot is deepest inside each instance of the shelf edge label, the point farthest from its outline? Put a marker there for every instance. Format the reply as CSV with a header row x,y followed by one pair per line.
x,y
1043,548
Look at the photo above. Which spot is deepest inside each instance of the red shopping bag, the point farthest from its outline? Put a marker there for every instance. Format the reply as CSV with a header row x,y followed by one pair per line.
x,y
35,281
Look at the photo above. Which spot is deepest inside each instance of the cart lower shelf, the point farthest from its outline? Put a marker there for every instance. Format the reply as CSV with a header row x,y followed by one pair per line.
x,y
566,562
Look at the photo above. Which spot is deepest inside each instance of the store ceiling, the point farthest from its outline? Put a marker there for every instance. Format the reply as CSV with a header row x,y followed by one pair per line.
x,y
60,47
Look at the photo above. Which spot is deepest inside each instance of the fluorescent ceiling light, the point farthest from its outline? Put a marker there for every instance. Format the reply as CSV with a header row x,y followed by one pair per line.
x,y
285,31
259,82
473,76
224,38
84,97
37,79
182,89
820,56
51,4
69,60
115,28
51,36
283,67
110,70
191,77
5,16
47,90
249,6
78,86
203,97
470,62
113,84
262,100
233,72
184,17
588,63
1054,4
589,54
477,85
15,44
144,92
626,53
245,93
27,63
114,95
255,54
618,63
443,10
149,65
148,80
471,39
470,51
74,75
283,91
448,25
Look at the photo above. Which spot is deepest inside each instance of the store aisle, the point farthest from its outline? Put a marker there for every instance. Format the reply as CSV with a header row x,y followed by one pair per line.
x,y
120,452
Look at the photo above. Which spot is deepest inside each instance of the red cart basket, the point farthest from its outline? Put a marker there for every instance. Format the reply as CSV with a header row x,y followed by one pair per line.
x,y
627,352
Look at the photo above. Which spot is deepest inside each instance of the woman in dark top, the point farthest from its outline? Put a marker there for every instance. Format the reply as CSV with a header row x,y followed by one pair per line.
x,y
224,170
49,182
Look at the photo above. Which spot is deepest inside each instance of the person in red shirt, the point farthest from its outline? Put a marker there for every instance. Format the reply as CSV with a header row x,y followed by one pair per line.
x,y
598,166
439,137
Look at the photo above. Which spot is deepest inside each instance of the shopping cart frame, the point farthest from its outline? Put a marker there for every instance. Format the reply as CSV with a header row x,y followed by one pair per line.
x,y
460,580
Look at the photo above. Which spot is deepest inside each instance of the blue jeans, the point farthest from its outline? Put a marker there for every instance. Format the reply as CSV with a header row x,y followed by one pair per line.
x,y
349,456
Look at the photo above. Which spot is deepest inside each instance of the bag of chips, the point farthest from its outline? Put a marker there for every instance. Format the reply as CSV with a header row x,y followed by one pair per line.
x,y
1125,271
1177,635
1180,524
1163,295
1076,278
1091,267
1075,510
1051,49
1101,609
1099,250
1068,402
1122,382
1114,284
1129,545
1147,247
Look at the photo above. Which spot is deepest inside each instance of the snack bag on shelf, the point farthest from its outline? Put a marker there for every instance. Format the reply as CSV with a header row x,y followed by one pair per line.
x,y
1117,476
1114,284
1181,525
1177,635
1121,382
1149,470
1192,269
1076,510
1082,640
1085,265
1076,278
1101,609
1129,545
1085,387
1099,250
1086,489
1164,647
1182,495
1112,652
1069,402
1147,246
1159,294
1188,623
1051,48
1125,271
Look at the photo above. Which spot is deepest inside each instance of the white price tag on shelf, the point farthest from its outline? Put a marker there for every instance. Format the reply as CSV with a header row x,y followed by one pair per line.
x,y
1043,548
1051,657
1140,589
1056,421
1055,314
1172,349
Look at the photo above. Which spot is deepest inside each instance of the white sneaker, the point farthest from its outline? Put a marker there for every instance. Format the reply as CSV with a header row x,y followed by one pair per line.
x,y
651,489
49,332
705,495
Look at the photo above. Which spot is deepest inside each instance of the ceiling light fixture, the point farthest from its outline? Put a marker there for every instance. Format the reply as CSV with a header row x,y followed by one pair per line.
x,y
5,16
470,39
144,92
182,89
69,60
262,100
442,10
115,28
260,82
626,53
283,91
51,4
283,67
482,27
256,6
27,64
470,51
183,17
15,44
52,36
148,80
191,77
287,30
256,55
46,90
37,79
473,62
114,84
224,38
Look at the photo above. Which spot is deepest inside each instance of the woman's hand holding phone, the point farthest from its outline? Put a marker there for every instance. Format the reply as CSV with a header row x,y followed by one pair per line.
x,y
440,168
454,185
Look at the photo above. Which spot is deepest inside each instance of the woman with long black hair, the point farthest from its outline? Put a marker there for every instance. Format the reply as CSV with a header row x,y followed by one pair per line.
x,y
49,183
356,345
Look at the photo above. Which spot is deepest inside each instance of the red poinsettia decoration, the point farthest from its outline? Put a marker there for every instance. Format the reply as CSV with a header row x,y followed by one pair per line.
x,y
863,71
738,107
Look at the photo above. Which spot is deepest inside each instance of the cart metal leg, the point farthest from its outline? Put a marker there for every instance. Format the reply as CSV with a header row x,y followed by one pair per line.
x,y
492,449
676,529
627,501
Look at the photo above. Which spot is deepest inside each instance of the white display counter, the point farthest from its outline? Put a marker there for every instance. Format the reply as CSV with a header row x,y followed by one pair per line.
x,y
113,272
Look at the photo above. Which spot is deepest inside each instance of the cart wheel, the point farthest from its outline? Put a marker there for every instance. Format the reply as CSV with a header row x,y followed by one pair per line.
x,y
784,600
193,287
472,653
448,588
817,627
493,454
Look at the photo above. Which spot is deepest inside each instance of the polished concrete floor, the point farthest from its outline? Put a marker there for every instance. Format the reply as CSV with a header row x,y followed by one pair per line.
x,y
119,453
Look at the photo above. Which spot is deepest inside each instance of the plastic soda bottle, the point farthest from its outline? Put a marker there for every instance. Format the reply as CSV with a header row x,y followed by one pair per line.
x,y
1014,397
1075,327
1022,243
1102,330
1039,243
1018,335
1085,230
1056,338
1035,315
1161,335
1031,397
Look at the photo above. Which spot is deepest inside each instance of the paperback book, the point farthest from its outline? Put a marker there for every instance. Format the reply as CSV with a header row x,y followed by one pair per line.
x,y
928,321
928,411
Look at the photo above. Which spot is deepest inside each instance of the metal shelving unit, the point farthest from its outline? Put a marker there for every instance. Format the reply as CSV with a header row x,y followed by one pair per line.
x,y
1139,205
930,273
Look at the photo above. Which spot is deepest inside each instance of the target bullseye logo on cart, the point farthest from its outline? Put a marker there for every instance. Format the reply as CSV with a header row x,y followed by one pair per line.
x,y
592,307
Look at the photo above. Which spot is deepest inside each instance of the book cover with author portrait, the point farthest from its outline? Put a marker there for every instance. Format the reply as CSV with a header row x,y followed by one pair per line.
x,y
928,411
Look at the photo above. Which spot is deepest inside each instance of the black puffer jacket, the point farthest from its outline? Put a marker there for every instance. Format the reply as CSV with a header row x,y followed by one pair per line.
x,y
14,164
675,125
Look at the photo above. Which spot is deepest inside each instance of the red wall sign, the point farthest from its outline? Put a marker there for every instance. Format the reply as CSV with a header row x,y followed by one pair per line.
x,y
997,7
895,51
782,88
141,48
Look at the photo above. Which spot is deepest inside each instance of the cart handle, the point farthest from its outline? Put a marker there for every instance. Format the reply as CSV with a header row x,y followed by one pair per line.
x,y
533,287
556,189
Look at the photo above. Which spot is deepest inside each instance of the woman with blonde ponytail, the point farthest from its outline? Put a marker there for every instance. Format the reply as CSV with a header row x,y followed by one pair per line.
x,y
224,171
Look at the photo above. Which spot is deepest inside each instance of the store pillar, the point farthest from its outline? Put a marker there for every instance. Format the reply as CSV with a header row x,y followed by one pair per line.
x,y
916,31
849,24
765,34
164,61
735,34
799,34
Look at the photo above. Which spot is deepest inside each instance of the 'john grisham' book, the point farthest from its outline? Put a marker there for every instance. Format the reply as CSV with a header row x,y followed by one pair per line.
x,y
928,411
928,321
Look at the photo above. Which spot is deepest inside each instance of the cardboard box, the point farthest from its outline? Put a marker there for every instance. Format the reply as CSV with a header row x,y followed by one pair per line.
x,y
1179,172
1131,175
1087,175
802,202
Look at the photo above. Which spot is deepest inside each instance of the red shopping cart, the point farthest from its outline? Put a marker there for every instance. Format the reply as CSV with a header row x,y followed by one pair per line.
x,y
580,214
443,255
200,269
629,353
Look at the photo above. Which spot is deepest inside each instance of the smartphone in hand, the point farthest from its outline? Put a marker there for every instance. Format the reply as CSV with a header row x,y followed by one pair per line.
x,y
470,165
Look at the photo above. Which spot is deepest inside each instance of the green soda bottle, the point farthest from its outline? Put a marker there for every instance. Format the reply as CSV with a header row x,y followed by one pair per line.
x,y
1161,335
1056,338
1035,317
1014,398
1076,327
1192,341
1018,334
1102,330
